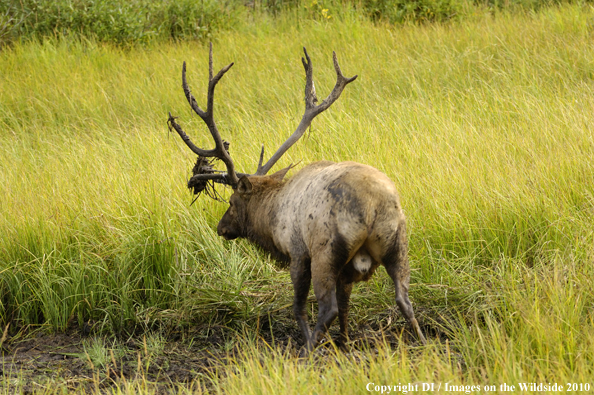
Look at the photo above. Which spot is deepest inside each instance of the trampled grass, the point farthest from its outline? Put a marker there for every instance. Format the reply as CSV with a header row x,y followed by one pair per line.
x,y
485,125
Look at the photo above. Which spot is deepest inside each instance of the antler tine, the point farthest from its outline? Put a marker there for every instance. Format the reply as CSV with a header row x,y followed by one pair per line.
x,y
261,158
310,89
189,95
311,109
198,151
341,83
220,151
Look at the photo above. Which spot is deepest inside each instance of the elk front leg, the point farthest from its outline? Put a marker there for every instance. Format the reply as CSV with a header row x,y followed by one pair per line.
x,y
301,278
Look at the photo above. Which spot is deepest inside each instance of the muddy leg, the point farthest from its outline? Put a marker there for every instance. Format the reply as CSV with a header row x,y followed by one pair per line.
x,y
343,295
325,290
396,263
301,277
405,306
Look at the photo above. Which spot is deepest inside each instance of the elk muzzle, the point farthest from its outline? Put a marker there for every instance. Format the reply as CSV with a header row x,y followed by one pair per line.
x,y
226,229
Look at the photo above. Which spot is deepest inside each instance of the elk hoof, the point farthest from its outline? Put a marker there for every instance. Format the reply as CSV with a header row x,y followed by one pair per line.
x,y
342,345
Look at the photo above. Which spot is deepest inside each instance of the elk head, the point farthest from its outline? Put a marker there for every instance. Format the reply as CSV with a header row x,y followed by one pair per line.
x,y
237,221
204,175
232,225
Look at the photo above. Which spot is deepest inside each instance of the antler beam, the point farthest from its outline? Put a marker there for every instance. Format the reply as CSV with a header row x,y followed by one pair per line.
x,y
311,109
221,147
203,171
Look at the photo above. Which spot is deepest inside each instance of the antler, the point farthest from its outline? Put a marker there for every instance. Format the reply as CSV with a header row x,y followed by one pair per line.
x,y
203,171
221,147
311,109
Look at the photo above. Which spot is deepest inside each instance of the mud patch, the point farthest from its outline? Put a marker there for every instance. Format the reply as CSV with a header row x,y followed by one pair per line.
x,y
195,357
89,364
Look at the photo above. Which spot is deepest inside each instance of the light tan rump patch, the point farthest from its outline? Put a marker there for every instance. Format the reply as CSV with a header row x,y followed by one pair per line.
x,y
362,261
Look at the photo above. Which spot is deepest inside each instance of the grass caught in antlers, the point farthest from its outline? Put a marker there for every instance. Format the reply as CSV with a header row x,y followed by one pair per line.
x,y
485,126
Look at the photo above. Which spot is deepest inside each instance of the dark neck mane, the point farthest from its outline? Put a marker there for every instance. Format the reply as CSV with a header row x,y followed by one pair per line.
x,y
260,224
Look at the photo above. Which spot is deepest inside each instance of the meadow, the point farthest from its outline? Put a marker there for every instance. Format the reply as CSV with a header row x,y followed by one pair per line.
x,y
484,124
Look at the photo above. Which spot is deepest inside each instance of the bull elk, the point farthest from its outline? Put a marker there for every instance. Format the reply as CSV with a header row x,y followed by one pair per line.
x,y
332,223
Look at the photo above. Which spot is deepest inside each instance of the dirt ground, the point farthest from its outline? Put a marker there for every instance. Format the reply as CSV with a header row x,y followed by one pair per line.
x,y
33,361
45,360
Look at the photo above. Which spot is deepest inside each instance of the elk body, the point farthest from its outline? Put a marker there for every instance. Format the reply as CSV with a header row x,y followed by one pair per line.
x,y
334,224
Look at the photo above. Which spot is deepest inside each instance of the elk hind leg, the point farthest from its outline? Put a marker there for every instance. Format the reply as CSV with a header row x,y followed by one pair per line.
x,y
325,291
324,284
396,264
343,295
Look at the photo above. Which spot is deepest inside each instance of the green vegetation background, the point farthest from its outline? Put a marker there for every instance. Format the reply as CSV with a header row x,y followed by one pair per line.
x,y
483,118
143,21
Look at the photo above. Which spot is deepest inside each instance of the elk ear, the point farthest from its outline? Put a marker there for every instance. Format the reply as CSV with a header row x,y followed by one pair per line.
x,y
244,186
279,175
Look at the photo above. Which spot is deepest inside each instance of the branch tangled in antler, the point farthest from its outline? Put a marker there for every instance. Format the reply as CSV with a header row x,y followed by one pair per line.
x,y
198,184
202,166
204,175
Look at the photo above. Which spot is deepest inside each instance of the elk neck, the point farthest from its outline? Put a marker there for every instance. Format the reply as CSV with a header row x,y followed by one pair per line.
x,y
262,216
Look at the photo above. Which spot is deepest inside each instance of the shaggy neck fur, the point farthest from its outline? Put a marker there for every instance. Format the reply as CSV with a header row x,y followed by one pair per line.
x,y
261,215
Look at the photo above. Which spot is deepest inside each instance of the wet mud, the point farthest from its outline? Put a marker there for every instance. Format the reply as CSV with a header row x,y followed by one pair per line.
x,y
34,361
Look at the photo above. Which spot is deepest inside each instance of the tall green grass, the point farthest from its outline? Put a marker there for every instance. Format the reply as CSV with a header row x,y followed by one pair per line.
x,y
485,126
